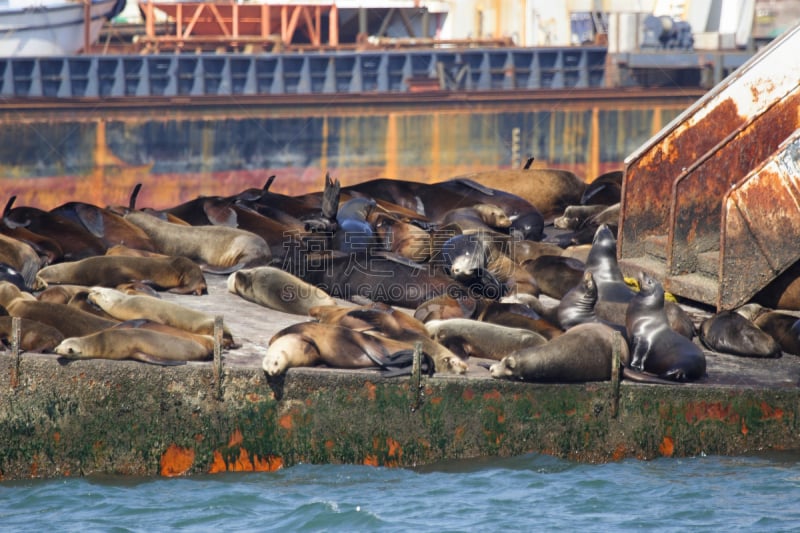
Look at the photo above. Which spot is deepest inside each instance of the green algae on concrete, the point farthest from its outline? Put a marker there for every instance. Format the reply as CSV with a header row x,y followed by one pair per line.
x,y
122,417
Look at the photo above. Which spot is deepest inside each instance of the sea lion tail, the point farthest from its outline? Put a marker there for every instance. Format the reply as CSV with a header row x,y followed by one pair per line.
x,y
9,204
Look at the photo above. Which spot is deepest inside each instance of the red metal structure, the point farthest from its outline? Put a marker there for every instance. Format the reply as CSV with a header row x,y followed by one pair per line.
x,y
228,23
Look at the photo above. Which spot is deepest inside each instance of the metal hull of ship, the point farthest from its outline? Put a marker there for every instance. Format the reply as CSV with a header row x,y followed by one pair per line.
x,y
50,30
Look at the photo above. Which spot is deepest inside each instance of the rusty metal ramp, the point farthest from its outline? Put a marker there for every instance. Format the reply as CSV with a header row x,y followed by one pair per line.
x,y
675,185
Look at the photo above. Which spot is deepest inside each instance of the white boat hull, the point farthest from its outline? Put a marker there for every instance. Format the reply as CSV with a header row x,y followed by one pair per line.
x,y
53,29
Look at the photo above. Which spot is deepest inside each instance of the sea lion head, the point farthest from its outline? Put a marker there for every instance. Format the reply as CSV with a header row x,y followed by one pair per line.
x,y
287,351
504,368
70,348
105,297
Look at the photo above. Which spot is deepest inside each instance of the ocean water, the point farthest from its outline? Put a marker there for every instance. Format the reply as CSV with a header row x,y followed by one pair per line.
x,y
525,493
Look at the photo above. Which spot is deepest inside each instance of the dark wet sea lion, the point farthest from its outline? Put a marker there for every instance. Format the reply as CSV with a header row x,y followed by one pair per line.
x,y
583,353
602,263
575,216
783,327
729,332
555,275
377,277
175,274
604,189
517,316
655,347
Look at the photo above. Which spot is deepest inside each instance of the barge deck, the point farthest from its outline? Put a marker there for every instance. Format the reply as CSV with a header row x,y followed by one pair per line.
x,y
130,418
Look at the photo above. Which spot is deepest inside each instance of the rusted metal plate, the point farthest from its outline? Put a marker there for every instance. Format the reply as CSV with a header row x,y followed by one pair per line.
x,y
761,225
698,193
652,170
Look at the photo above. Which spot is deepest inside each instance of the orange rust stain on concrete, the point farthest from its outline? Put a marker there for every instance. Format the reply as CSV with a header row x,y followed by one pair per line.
x,y
492,395
745,431
267,464
619,453
395,450
667,447
501,418
468,394
770,413
199,437
458,434
176,460
436,400
329,444
217,464
34,469
242,463
571,412
371,460
370,390
696,412
57,437
236,438
285,421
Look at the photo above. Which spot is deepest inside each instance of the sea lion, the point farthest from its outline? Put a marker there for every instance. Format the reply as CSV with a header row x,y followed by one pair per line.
x,y
472,338
277,289
21,257
10,292
143,345
602,263
75,241
312,343
604,189
516,316
354,232
529,226
71,322
11,275
783,327
105,224
445,306
483,217
583,353
60,294
34,336
403,238
729,332
574,216
655,347
548,190
174,274
378,276
555,275
380,319
219,249
131,307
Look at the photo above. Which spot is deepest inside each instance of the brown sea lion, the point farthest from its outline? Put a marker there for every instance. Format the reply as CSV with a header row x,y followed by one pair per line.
x,y
22,257
71,322
131,307
783,327
380,319
312,343
583,353
75,241
174,274
574,216
655,347
277,289
106,225
143,345
34,336
445,306
473,338
220,249
549,190
729,332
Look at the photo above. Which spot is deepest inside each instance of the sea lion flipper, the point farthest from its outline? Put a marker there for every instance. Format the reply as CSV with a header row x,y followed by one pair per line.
x,y
91,218
475,185
221,270
154,360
